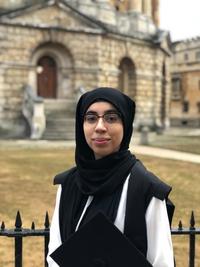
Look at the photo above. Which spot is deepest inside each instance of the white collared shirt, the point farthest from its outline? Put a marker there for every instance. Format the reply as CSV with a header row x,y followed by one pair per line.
x,y
159,243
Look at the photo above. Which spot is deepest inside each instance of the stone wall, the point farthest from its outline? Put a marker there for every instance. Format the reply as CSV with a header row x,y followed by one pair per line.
x,y
17,50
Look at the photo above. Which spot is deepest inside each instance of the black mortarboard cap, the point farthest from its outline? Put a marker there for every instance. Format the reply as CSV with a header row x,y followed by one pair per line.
x,y
99,243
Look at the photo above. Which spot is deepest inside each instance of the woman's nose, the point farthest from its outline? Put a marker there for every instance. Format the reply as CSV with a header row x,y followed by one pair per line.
x,y
100,126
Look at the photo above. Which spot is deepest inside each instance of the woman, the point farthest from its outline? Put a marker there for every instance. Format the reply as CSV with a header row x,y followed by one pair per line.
x,y
108,178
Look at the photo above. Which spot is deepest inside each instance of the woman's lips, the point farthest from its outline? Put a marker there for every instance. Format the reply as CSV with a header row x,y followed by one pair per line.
x,y
100,141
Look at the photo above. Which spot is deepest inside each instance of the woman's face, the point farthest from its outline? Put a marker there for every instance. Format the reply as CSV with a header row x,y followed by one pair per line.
x,y
103,134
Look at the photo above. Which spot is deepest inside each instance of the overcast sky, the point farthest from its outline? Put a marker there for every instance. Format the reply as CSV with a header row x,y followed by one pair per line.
x,y
181,18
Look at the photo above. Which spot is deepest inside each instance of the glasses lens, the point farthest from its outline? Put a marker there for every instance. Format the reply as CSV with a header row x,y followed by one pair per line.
x,y
91,118
111,117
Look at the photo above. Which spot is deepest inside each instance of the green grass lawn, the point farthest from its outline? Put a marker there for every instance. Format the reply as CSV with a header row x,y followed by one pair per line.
x,y
26,184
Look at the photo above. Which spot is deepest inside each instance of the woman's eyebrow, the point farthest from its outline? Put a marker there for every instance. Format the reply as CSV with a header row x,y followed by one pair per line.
x,y
91,112
105,111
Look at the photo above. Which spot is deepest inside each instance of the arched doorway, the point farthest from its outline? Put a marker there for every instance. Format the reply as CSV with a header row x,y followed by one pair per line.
x,y
127,77
47,77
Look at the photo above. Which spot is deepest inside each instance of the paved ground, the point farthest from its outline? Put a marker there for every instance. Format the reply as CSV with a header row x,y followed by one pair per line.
x,y
166,153
143,150
181,131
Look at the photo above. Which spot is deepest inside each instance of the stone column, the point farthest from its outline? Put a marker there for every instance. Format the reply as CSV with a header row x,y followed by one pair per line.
x,y
135,5
147,8
155,12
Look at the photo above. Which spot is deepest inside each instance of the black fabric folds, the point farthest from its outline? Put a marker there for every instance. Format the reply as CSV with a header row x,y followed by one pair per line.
x,y
103,176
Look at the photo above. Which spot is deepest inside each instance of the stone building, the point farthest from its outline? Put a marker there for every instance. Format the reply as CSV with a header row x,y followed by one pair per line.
x,y
185,97
51,51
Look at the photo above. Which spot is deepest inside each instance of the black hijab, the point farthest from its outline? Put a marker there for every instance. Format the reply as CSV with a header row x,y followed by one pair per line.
x,y
103,176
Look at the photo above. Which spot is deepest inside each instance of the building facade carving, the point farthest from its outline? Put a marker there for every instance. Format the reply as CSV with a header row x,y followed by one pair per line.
x,y
59,48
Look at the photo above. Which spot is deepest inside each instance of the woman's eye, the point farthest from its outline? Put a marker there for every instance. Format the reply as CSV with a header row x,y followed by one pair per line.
x,y
111,118
91,118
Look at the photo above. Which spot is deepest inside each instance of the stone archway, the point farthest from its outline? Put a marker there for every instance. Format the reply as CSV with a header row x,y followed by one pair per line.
x,y
52,67
127,77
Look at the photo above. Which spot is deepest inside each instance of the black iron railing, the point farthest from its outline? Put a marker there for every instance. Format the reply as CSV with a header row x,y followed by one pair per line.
x,y
18,233
191,232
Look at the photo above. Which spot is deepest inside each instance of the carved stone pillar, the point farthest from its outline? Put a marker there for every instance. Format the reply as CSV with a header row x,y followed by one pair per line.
x,y
135,5
155,12
147,7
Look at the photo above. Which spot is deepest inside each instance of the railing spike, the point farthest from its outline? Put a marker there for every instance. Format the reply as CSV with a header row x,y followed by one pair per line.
x,y
33,226
192,221
46,223
2,226
180,225
18,222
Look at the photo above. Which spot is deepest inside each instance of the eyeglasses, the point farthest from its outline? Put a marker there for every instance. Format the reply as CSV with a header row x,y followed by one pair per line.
x,y
110,118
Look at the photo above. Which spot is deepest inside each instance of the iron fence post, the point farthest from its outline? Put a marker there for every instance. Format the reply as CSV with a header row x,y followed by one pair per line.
x,y
46,238
18,251
192,242
18,241
46,242
192,250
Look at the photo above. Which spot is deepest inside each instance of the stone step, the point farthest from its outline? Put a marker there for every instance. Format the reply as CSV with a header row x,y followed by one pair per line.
x,y
60,122
59,105
60,129
58,115
59,135
55,136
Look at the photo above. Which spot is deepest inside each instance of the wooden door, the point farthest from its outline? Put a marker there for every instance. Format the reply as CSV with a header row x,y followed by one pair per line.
x,y
47,77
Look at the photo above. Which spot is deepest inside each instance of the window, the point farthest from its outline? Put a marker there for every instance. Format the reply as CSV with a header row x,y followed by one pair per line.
x,y
176,88
198,55
127,76
198,107
186,57
185,106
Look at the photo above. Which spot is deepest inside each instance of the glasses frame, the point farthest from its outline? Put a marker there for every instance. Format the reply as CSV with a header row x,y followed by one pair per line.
x,y
103,117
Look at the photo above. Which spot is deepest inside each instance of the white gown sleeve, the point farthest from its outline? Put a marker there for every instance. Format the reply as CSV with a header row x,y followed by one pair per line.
x,y
55,238
160,250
